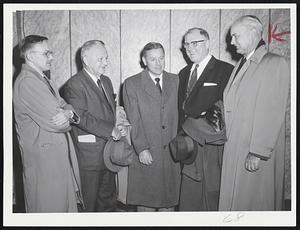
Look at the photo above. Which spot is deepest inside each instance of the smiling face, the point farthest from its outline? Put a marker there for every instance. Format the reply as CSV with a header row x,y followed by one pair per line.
x,y
40,56
199,52
96,59
243,38
155,61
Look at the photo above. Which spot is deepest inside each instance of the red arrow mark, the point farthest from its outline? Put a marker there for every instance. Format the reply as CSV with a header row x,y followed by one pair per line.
x,y
276,36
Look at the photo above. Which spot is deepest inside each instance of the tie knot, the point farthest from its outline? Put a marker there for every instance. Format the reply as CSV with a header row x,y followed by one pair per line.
x,y
196,66
157,80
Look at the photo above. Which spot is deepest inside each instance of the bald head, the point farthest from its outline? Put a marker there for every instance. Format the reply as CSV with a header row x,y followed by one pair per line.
x,y
246,32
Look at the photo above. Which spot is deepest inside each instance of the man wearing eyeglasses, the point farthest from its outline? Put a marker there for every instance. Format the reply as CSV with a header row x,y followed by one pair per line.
x,y
50,170
201,85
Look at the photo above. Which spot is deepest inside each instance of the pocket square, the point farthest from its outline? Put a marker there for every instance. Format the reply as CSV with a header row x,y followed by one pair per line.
x,y
209,84
87,138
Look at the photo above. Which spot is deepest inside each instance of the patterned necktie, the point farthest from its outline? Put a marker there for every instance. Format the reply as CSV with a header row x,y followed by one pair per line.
x,y
101,87
193,80
157,84
49,85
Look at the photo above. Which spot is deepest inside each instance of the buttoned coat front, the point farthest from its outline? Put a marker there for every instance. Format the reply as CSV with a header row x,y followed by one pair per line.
x,y
50,169
154,120
255,105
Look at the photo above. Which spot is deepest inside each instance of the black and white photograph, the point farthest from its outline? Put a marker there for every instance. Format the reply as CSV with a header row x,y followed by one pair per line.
x,y
149,114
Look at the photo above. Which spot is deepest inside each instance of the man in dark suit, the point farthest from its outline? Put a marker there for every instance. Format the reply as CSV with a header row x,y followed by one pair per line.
x,y
201,85
91,94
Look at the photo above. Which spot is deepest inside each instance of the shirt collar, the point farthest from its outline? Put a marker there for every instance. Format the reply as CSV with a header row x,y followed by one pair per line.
x,y
94,78
155,76
203,63
36,69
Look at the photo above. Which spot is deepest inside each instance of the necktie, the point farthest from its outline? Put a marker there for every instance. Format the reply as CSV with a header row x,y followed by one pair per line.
x,y
49,85
103,91
193,80
157,84
240,66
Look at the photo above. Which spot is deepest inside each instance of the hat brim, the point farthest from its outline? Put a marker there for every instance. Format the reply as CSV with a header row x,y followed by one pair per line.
x,y
106,157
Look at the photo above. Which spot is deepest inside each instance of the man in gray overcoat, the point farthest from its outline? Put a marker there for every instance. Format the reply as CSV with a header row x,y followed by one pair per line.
x,y
150,100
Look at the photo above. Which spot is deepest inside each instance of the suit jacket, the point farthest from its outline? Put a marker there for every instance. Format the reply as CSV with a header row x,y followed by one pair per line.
x,y
48,155
154,119
202,97
97,117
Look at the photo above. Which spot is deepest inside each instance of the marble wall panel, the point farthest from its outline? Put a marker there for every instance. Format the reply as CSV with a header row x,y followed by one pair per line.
x,y
15,34
53,24
181,21
228,16
138,27
101,25
279,23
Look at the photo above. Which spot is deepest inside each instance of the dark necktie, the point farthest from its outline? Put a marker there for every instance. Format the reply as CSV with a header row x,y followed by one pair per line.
x,y
241,65
49,85
193,80
157,84
101,87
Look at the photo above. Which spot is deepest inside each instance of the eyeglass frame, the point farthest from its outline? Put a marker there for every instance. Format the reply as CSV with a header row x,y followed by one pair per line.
x,y
193,44
46,53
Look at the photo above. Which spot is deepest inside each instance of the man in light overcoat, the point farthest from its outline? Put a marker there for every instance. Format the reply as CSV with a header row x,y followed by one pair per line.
x,y
50,170
255,101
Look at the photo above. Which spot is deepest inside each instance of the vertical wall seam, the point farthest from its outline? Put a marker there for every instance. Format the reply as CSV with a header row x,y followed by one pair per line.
x,y
220,14
269,23
170,46
120,36
70,39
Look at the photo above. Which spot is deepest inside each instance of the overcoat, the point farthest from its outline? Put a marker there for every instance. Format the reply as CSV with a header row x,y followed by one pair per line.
x,y
255,105
50,169
154,118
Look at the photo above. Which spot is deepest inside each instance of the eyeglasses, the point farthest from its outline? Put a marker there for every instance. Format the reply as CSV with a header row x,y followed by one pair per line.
x,y
193,44
47,53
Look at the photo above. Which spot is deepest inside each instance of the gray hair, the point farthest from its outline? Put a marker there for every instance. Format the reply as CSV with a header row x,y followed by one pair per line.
x,y
201,31
88,45
252,22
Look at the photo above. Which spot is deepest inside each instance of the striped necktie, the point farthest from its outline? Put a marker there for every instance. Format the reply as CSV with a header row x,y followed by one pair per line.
x,y
49,86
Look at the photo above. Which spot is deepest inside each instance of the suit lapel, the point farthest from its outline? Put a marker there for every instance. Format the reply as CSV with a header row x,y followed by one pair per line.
x,y
149,86
167,86
109,94
203,77
91,85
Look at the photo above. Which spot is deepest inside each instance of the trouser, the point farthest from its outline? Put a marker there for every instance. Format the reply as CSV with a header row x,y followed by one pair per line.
x,y
98,190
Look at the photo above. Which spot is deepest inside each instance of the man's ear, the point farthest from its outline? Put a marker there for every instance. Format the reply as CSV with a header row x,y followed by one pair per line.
x,y
84,60
144,61
207,44
28,56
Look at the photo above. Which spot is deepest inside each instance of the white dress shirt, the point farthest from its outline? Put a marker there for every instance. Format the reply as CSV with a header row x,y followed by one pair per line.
x,y
201,66
155,76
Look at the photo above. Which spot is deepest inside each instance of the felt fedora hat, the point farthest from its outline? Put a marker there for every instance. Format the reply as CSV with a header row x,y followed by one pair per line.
x,y
117,154
183,149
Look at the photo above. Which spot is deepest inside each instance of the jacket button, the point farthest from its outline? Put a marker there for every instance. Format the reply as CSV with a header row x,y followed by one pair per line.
x,y
163,127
